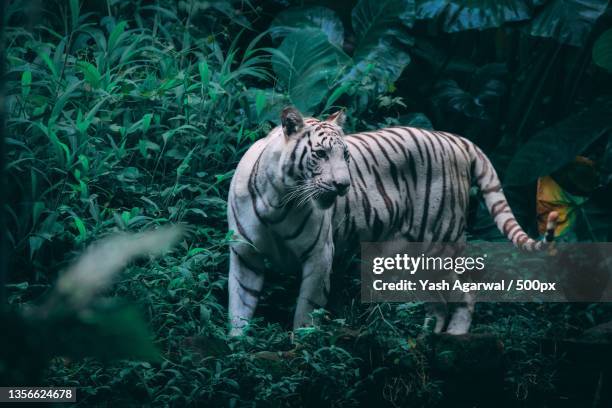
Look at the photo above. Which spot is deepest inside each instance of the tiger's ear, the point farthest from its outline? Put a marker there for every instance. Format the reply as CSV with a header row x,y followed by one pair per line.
x,y
292,121
337,118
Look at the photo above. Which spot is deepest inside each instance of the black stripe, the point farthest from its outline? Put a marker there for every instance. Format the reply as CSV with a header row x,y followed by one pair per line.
x,y
426,198
381,189
249,266
312,303
300,228
292,158
241,230
356,164
347,215
397,143
244,302
364,160
367,206
306,253
460,146
377,227
439,220
416,142
250,291
391,163
453,197
256,194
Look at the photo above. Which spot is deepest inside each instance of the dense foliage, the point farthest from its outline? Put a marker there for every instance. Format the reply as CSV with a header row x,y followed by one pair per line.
x,y
124,116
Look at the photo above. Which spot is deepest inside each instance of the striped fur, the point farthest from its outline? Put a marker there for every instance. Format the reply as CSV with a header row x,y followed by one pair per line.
x,y
307,192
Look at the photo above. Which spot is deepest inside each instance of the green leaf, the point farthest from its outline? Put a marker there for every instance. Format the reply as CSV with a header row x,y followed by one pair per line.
x,y
80,226
142,124
381,31
74,13
84,161
61,101
270,110
62,150
602,50
460,15
43,55
84,123
184,164
26,81
479,100
90,73
322,18
338,92
308,65
260,102
37,209
113,39
554,147
35,242
209,345
204,73
567,21
146,122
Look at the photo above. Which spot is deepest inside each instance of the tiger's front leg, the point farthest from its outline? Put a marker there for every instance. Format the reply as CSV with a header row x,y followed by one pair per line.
x,y
246,279
314,289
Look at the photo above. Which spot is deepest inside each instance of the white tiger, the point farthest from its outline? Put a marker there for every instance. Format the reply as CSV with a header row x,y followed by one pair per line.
x,y
307,191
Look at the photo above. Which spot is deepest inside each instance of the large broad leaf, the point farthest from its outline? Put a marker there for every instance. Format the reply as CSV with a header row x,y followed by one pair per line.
x,y
460,15
479,100
448,95
308,65
322,18
567,21
381,36
265,104
602,51
554,147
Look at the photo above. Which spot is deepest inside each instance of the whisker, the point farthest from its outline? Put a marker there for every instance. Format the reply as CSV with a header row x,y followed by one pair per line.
x,y
299,193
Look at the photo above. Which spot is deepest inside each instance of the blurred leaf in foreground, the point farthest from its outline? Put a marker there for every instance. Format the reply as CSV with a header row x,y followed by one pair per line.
x,y
71,324
95,269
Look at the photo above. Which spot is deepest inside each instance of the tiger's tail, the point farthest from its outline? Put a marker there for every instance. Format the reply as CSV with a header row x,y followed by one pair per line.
x,y
495,200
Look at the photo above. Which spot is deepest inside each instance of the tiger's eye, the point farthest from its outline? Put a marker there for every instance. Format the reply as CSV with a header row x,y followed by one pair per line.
x,y
321,154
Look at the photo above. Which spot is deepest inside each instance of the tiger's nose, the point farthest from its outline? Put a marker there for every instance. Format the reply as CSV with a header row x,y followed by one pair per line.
x,y
341,187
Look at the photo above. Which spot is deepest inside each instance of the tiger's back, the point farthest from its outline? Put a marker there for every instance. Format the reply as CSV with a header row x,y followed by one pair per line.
x,y
405,182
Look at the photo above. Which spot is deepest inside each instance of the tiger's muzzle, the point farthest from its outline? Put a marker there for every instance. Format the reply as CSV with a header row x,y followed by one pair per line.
x,y
341,187
326,198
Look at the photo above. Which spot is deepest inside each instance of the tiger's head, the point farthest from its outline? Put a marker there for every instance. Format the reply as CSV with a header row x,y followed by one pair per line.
x,y
315,158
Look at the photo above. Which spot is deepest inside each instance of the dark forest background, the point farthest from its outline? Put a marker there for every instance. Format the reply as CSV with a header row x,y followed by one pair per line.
x,y
126,116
